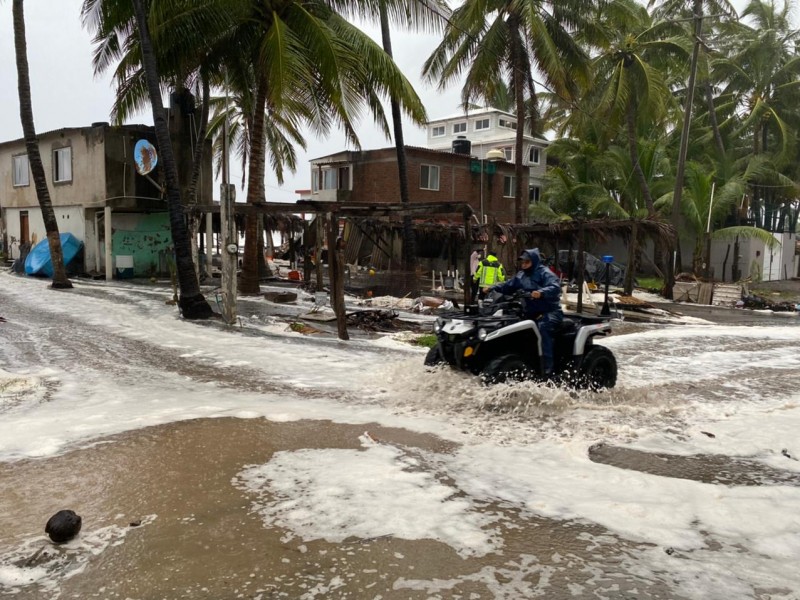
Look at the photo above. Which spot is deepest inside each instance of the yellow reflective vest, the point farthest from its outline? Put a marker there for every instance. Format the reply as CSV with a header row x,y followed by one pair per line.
x,y
490,271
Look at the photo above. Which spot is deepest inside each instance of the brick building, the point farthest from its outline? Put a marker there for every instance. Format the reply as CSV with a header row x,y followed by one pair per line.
x,y
371,176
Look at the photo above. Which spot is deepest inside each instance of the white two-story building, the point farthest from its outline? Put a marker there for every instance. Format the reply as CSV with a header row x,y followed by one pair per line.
x,y
483,129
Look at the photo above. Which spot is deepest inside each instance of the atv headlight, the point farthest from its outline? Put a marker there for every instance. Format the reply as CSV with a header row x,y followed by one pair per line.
x,y
437,326
482,333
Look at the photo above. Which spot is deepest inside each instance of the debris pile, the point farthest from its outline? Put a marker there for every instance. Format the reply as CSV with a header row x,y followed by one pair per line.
x,y
760,303
374,320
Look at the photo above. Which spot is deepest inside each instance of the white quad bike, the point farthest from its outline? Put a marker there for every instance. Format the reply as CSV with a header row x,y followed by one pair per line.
x,y
496,341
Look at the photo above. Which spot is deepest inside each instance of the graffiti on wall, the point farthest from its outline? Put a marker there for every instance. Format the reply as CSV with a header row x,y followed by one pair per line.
x,y
149,244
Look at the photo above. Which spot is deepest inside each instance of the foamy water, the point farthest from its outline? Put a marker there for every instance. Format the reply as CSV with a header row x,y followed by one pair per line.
x,y
109,359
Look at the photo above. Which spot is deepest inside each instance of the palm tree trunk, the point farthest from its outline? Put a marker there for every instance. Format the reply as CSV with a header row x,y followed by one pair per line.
x,y
521,185
633,250
248,283
192,303
32,146
409,237
633,148
712,119
197,158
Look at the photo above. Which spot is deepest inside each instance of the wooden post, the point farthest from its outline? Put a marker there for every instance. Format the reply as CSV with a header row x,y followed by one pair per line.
x,y
336,276
581,266
109,251
318,250
306,254
209,241
468,245
229,253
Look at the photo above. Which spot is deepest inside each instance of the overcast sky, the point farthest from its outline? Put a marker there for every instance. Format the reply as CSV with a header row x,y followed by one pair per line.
x,y
67,94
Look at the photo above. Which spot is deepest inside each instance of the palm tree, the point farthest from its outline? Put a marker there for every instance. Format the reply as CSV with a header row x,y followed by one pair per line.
x,y
762,74
60,279
634,51
302,54
416,14
192,303
494,41
704,205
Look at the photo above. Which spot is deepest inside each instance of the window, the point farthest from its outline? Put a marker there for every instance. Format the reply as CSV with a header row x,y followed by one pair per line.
x,y
509,152
428,177
20,174
329,179
438,131
508,124
534,192
314,180
533,155
344,178
459,127
62,164
481,124
509,185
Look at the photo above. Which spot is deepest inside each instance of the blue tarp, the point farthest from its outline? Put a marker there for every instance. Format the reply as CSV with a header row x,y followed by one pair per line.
x,y
38,261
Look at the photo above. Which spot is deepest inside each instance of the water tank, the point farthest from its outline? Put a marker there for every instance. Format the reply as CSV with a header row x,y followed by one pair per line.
x,y
461,145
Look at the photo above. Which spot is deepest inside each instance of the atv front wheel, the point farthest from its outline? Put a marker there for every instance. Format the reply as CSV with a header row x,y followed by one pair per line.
x,y
506,368
598,369
434,357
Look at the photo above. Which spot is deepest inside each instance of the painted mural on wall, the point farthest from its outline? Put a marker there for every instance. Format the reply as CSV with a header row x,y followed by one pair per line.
x,y
148,242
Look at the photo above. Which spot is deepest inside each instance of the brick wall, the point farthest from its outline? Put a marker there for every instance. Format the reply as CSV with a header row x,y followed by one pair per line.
x,y
376,179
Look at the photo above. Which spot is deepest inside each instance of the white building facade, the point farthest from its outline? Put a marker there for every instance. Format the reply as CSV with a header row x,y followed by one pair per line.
x,y
486,129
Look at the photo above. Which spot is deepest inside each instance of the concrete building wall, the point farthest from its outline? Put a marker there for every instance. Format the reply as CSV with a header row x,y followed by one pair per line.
x,y
87,182
70,220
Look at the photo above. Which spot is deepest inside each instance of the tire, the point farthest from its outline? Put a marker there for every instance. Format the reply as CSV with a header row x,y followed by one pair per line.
x,y
598,369
506,368
434,357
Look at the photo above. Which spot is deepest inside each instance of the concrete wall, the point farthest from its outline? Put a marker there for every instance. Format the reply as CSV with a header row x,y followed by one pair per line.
x,y
147,238
70,220
88,169
752,253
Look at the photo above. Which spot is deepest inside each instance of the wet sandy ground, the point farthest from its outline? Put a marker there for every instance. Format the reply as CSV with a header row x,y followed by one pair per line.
x,y
198,536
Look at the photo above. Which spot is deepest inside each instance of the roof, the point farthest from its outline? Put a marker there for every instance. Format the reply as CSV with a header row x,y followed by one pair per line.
x,y
354,156
51,132
475,112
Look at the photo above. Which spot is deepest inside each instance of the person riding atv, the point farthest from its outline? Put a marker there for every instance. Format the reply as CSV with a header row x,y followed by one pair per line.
x,y
544,302
499,340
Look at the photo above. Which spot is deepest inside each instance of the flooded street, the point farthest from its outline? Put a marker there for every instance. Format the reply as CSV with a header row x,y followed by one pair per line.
x,y
259,463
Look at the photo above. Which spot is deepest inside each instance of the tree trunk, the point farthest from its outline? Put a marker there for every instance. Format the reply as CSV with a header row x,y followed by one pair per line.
x,y
630,271
712,119
197,158
633,148
192,303
60,279
409,236
520,180
253,234
336,275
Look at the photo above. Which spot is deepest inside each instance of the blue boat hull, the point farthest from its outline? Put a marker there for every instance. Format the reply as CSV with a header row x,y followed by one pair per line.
x,y
38,261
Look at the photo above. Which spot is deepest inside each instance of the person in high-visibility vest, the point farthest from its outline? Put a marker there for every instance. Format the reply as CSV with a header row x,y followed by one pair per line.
x,y
490,272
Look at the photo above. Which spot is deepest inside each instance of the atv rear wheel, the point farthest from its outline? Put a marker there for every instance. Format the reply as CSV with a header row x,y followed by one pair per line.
x,y
506,368
598,369
434,357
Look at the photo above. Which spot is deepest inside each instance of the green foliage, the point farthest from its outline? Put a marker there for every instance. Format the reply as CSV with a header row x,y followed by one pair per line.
x,y
655,284
428,341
